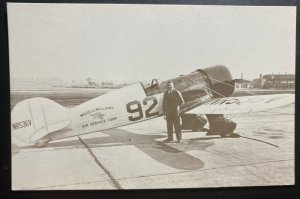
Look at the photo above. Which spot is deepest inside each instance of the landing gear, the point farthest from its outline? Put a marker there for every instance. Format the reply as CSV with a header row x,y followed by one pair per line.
x,y
193,122
219,125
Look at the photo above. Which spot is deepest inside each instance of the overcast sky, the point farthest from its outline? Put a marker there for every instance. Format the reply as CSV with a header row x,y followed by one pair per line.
x,y
130,42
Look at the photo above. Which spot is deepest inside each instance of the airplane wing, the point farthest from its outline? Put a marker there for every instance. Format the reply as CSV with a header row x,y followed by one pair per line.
x,y
246,104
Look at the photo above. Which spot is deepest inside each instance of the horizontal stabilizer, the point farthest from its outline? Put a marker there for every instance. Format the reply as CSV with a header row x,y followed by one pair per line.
x,y
34,118
246,104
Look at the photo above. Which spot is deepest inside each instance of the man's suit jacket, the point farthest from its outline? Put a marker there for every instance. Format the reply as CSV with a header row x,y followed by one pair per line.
x,y
171,101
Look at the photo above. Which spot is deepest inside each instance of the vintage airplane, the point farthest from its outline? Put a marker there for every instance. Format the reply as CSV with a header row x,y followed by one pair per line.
x,y
37,121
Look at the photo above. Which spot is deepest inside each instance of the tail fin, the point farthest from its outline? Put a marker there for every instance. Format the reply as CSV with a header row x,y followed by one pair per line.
x,y
34,118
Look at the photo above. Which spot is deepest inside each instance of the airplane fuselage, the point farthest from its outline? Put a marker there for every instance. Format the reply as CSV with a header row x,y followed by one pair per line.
x,y
128,105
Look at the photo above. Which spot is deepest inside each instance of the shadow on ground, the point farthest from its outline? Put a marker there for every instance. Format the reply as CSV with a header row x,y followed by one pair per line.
x,y
171,154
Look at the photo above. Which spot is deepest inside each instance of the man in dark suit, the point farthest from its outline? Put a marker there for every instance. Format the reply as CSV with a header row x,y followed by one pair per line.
x,y
171,102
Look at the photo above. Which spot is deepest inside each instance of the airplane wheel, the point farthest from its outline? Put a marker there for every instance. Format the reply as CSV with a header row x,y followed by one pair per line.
x,y
229,127
223,135
219,125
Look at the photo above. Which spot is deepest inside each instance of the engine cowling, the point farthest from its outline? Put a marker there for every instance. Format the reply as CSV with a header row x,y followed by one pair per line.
x,y
220,80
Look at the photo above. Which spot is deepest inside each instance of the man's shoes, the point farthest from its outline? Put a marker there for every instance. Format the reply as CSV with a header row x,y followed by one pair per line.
x,y
178,141
168,140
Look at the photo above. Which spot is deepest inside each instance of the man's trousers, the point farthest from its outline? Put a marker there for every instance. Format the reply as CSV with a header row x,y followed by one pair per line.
x,y
173,120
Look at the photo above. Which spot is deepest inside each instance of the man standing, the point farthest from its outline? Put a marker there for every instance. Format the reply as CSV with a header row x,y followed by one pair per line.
x,y
171,101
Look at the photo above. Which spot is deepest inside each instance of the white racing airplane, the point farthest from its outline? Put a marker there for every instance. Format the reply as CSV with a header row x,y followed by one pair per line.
x,y
36,121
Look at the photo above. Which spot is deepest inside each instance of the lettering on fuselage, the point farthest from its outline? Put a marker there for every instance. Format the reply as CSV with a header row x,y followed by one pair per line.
x,y
223,101
88,112
99,122
22,124
245,100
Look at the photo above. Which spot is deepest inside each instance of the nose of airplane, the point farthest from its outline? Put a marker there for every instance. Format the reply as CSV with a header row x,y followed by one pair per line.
x,y
220,80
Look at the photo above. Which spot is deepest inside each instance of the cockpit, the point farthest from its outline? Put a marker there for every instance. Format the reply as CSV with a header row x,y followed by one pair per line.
x,y
153,88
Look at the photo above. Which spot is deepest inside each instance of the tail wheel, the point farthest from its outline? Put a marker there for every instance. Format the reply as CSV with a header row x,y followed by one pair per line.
x,y
42,143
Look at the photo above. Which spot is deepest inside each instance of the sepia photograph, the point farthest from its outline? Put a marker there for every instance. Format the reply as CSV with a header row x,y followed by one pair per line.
x,y
148,96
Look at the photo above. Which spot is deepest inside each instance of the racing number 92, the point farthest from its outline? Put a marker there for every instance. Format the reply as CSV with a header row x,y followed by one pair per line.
x,y
136,107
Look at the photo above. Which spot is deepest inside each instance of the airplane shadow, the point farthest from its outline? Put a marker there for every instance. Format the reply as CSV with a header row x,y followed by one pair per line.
x,y
171,154
167,154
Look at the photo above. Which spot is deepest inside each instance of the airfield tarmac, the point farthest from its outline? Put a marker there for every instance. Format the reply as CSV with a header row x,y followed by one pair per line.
x,y
133,157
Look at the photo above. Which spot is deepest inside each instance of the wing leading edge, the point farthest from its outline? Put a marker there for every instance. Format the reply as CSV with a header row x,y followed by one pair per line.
x,y
246,104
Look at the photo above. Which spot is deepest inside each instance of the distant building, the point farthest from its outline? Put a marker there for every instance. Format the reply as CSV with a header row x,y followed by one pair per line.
x,y
242,83
258,83
279,81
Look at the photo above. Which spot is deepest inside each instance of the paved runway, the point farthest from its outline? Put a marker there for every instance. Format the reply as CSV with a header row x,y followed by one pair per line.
x,y
133,157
